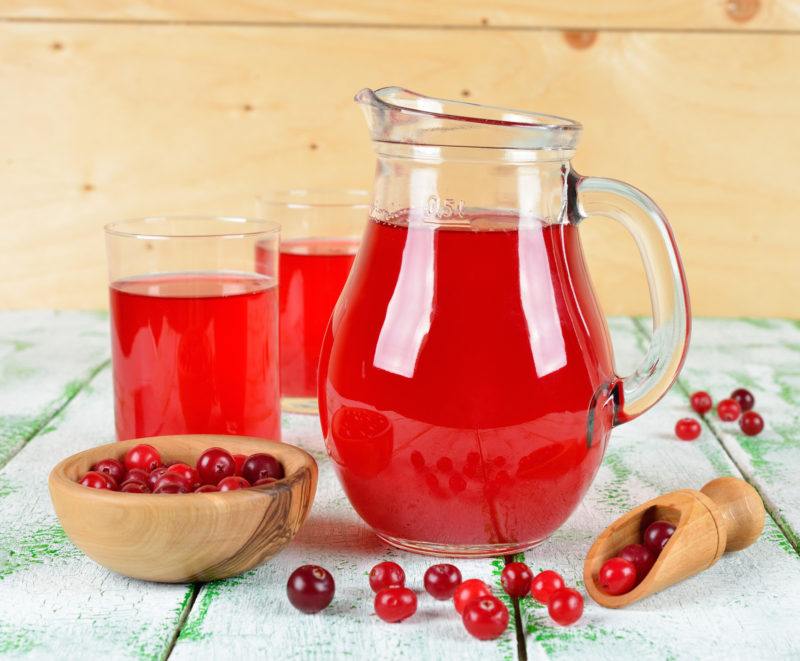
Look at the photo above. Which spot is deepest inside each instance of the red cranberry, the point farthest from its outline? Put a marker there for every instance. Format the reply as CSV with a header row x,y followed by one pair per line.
x,y
395,603
701,402
310,588
142,456
233,483
687,429
188,473
485,618
386,575
112,468
744,398
641,557
729,410
261,465
132,486
516,579
617,576
565,606
215,464
751,423
172,483
238,460
544,584
154,477
206,488
263,481
97,480
442,580
657,535
137,475
469,590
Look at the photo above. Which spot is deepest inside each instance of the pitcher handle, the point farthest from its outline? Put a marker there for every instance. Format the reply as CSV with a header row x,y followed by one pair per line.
x,y
669,297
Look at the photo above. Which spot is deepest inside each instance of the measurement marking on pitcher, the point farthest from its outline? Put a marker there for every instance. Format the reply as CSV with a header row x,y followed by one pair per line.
x,y
445,211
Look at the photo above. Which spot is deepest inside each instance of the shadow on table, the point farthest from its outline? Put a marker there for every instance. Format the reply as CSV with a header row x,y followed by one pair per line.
x,y
327,533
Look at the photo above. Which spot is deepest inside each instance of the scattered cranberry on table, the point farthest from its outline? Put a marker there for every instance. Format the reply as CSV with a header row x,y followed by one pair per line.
x,y
701,402
751,423
657,535
687,429
617,576
641,557
485,618
310,588
729,410
744,398
97,480
396,603
516,579
442,580
565,606
386,575
544,584
112,468
468,591
142,456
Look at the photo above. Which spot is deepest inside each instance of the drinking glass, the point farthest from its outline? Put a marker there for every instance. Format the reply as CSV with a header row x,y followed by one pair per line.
x,y
320,234
194,326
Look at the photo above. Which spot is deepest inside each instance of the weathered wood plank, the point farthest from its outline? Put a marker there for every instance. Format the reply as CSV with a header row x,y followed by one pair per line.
x,y
251,616
762,355
584,14
56,603
46,358
736,609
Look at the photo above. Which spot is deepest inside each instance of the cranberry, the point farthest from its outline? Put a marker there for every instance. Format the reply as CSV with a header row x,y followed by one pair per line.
x,y
154,477
137,475
172,483
310,588
744,398
544,584
657,535
729,410
238,460
215,464
485,618
687,429
516,579
112,468
142,456
469,590
260,465
617,576
565,606
395,603
701,402
442,580
386,575
751,423
133,486
207,488
97,480
188,473
641,557
263,481
233,483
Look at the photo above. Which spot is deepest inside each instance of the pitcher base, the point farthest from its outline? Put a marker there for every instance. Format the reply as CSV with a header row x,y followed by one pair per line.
x,y
458,550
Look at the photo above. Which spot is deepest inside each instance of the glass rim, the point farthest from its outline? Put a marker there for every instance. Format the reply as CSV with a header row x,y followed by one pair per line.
x,y
254,226
317,198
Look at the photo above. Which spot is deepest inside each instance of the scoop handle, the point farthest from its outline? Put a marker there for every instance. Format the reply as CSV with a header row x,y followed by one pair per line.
x,y
741,509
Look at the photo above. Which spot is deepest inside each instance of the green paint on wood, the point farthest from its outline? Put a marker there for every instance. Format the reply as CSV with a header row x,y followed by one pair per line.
x,y
758,323
193,629
15,641
506,643
18,552
18,345
616,493
7,487
781,534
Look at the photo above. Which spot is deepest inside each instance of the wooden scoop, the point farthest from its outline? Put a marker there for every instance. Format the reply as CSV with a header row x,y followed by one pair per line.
x,y
725,515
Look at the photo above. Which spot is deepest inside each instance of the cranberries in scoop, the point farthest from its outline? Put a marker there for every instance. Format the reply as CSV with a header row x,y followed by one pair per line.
x,y
395,604
516,579
617,576
386,575
142,456
442,580
261,465
214,465
485,618
640,556
657,535
310,588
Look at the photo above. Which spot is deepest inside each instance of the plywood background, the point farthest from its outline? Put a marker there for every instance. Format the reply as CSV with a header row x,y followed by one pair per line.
x,y
110,110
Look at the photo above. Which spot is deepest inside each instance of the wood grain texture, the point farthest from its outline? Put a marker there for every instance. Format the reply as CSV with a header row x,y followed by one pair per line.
x,y
578,14
111,121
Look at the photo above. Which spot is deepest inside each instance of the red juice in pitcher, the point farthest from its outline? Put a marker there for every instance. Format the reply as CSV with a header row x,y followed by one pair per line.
x,y
466,383
195,353
312,274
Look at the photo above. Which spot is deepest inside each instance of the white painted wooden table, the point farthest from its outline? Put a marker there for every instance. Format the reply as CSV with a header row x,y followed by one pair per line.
x,y
56,399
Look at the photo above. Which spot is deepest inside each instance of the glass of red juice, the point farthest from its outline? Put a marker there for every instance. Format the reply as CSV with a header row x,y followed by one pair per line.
x,y
194,326
320,234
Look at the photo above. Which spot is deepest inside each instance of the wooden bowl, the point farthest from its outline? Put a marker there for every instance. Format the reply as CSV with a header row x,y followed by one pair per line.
x,y
179,538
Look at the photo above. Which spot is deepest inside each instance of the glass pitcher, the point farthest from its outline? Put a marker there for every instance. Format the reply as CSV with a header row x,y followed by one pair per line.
x,y
466,385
